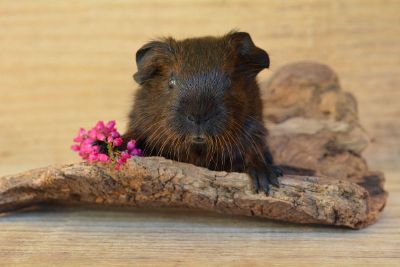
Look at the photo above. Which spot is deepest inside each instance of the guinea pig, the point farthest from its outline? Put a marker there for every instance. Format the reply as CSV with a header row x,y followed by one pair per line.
x,y
199,102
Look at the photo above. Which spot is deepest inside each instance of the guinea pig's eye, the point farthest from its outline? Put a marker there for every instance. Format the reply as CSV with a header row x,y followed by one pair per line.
x,y
171,83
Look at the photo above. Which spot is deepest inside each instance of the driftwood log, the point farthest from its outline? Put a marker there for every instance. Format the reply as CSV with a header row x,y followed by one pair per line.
x,y
313,124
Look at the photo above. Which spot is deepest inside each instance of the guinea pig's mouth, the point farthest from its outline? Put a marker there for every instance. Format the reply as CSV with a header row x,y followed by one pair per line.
x,y
198,139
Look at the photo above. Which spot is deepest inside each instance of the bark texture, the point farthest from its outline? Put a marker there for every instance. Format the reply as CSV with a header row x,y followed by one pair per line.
x,y
312,123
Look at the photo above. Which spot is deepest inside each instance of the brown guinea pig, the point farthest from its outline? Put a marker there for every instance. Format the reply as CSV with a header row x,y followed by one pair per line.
x,y
199,102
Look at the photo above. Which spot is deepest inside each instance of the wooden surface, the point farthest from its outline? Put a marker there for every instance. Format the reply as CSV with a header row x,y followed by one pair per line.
x,y
67,64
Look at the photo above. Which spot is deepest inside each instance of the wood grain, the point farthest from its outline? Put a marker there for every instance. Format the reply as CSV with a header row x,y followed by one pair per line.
x,y
67,64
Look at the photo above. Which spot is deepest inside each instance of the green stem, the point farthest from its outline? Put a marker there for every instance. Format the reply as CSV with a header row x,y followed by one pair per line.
x,y
111,152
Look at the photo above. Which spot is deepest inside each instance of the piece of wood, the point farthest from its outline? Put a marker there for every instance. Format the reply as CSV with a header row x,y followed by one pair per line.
x,y
313,124
155,182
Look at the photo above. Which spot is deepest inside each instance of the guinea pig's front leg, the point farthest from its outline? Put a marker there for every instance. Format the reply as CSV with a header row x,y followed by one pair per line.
x,y
263,172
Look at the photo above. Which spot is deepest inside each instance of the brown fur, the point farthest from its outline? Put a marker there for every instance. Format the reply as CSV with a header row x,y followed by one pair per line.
x,y
215,99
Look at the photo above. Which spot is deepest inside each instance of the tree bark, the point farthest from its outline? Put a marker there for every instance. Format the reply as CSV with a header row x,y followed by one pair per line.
x,y
313,125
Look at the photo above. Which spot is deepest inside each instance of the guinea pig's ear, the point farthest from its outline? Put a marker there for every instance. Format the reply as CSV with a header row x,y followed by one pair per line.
x,y
249,57
149,59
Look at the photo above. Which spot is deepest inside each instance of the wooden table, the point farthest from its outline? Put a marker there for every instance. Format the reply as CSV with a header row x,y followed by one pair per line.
x,y
67,64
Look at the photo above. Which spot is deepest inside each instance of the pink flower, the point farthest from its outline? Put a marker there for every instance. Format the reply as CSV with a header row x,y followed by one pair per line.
x,y
92,133
100,126
132,149
117,141
75,147
131,145
124,156
111,125
115,134
103,144
100,137
103,158
122,159
81,135
92,157
136,152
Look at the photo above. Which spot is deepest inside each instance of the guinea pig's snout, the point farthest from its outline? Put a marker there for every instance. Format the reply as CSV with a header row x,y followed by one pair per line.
x,y
198,119
200,126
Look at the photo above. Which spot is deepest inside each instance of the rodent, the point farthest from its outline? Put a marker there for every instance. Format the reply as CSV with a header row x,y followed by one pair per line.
x,y
199,102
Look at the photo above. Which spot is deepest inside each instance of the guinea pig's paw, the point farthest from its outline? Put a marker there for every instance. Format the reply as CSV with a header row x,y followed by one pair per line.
x,y
264,177
278,171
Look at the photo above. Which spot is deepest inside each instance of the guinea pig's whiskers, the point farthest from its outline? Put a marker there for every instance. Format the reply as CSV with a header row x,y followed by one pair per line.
x,y
156,136
175,140
249,138
217,155
224,156
172,148
146,132
210,150
253,144
160,140
237,143
222,149
149,129
164,143
142,136
260,134
235,140
208,156
228,149
179,141
232,150
187,144
214,153
169,147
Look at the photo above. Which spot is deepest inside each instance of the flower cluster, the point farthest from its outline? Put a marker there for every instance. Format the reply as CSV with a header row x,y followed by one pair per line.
x,y
103,143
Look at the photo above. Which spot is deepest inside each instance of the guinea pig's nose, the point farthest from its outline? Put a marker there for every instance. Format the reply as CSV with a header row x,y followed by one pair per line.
x,y
190,118
198,119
